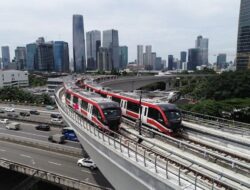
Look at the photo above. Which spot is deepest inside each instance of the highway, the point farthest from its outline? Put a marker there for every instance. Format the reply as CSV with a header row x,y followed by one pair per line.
x,y
56,163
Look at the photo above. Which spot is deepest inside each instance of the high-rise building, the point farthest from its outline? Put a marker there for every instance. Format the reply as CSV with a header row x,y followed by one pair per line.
x,y
193,58
153,60
170,62
79,44
20,58
221,61
31,60
243,45
183,56
5,56
123,57
103,59
111,41
140,54
93,39
158,64
164,63
148,54
202,44
45,57
61,56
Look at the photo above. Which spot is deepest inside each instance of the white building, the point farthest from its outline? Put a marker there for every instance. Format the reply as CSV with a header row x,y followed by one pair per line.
x,y
14,78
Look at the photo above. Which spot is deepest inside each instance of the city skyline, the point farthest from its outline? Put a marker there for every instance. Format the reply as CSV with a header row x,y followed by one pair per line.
x,y
170,27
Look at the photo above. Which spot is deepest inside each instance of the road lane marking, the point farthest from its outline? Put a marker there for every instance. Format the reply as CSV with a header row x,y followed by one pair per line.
x,y
2,150
55,163
26,156
85,171
33,134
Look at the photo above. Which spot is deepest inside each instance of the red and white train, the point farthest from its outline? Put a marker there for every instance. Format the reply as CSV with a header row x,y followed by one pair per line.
x,y
102,112
160,116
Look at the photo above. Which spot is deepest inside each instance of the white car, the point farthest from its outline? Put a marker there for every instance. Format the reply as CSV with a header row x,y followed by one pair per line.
x,y
4,121
9,109
86,162
56,120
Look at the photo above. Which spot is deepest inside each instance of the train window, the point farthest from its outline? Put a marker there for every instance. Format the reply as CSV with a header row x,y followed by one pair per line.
x,y
118,100
84,105
68,96
104,95
75,99
96,113
133,107
155,114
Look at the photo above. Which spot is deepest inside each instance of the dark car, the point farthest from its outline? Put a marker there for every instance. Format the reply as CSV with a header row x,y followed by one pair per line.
x,y
12,115
1,110
43,127
24,114
53,115
34,112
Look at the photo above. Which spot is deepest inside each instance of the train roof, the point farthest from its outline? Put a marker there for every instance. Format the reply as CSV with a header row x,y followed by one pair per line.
x,y
104,102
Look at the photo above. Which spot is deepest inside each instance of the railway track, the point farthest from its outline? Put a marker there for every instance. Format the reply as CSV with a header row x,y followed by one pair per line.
x,y
221,156
225,125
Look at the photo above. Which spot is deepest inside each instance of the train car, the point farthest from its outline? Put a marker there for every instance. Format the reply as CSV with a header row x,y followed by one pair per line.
x,y
102,112
157,115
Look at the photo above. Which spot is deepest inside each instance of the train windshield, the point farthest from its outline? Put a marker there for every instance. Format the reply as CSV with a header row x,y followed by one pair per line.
x,y
112,112
173,114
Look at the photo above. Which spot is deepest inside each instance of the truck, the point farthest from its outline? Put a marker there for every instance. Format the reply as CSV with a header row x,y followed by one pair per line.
x,y
57,138
13,126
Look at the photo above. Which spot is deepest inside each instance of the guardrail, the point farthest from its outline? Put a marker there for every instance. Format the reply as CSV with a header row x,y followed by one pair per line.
x,y
218,121
132,149
49,176
41,144
234,164
28,120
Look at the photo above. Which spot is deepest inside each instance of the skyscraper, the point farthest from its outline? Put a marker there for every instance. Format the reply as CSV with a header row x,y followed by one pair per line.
x,y
111,41
202,44
5,56
170,62
140,54
45,57
243,45
221,61
158,63
31,59
123,57
103,59
193,58
148,58
93,39
20,58
183,56
61,56
153,60
79,44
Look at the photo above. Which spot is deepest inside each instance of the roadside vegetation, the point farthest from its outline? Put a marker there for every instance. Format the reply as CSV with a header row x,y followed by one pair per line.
x,y
228,93
14,94
36,80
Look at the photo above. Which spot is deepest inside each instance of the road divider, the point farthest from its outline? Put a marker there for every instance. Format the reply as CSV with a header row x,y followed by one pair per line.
x,y
58,148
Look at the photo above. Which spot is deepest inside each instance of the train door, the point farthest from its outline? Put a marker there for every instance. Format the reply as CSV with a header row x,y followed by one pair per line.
x,y
90,108
144,115
123,105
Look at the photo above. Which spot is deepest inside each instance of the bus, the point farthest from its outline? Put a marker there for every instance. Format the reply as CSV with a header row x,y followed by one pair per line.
x,y
69,134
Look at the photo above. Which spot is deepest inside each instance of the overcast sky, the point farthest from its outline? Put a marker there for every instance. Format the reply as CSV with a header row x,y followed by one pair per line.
x,y
170,26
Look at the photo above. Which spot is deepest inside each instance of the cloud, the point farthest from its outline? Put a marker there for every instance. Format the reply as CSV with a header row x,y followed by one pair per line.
x,y
170,26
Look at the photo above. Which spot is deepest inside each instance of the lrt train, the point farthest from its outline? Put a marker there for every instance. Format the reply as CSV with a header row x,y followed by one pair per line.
x,y
102,112
157,115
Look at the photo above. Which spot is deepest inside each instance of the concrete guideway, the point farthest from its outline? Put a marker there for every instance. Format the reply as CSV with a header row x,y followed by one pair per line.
x,y
221,134
195,162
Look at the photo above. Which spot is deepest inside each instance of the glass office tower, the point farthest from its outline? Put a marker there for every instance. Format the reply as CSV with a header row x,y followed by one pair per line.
x,y
79,44
243,45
